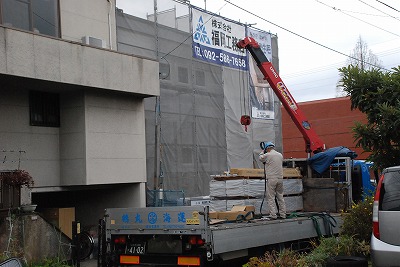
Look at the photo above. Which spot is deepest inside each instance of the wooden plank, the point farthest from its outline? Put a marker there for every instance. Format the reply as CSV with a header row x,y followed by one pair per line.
x,y
246,173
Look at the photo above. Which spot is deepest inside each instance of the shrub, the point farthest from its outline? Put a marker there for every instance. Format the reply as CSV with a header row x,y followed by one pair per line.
x,y
285,258
50,262
323,250
358,221
17,178
331,247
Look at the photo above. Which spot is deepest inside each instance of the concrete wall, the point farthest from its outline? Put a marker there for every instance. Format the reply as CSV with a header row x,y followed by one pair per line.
x,y
33,238
115,138
95,18
93,202
101,139
40,144
39,57
72,138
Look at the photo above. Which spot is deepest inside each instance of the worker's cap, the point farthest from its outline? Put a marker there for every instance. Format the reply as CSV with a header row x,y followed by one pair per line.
x,y
269,144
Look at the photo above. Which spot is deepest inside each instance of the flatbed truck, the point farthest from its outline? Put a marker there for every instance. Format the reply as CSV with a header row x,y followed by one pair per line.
x,y
190,236
186,236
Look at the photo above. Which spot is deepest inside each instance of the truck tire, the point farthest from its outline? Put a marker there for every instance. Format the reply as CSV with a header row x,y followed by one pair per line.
x,y
351,261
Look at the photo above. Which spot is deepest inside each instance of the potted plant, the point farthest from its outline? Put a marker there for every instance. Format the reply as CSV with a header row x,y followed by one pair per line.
x,y
17,178
20,179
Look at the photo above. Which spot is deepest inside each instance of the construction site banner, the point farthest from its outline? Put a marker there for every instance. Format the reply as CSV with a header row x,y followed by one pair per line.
x,y
215,38
263,38
261,95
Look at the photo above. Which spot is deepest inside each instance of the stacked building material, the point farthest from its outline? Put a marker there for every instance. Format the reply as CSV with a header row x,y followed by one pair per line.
x,y
246,187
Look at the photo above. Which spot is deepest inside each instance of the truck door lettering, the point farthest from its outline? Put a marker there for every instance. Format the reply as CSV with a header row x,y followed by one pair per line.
x,y
192,221
156,226
167,217
181,217
138,219
152,217
125,218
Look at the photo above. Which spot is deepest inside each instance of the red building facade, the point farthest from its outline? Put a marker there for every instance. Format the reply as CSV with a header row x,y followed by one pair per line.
x,y
332,119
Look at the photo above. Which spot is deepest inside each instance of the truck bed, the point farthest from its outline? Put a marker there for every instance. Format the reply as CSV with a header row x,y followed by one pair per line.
x,y
236,236
222,237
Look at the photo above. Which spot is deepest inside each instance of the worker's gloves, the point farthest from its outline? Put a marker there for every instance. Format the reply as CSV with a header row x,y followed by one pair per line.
x,y
261,156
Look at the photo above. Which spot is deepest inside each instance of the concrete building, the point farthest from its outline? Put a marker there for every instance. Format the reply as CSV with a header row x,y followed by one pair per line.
x,y
72,106
332,119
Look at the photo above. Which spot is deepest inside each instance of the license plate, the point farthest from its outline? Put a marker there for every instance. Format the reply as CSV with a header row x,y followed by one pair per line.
x,y
136,249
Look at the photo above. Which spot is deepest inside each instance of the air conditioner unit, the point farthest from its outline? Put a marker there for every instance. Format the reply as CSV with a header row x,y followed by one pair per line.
x,y
93,41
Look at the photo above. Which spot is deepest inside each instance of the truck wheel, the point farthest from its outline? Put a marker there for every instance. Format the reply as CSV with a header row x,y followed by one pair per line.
x,y
351,261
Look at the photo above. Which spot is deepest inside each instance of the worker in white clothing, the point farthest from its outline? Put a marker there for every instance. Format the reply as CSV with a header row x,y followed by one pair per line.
x,y
273,161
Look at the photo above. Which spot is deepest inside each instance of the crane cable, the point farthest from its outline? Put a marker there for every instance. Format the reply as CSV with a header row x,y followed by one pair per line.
x,y
245,119
242,88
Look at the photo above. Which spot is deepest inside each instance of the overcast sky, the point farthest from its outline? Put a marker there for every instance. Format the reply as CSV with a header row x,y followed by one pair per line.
x,y
313,35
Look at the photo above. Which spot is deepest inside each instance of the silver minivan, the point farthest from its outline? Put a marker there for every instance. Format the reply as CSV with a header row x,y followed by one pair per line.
x,y
385,239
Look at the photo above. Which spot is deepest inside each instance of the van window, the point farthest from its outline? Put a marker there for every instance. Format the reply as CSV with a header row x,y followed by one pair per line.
x,y
391,191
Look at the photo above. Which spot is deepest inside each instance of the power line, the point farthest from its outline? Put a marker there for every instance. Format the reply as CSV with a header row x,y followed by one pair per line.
x,y
305,38
294,86
294,75
387,5
337,9
325,68
368,23
190,35
388,52
314,81
316,69
368,14
378,9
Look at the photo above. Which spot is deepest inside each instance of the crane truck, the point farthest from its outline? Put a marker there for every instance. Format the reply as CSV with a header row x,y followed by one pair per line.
x,y
188,236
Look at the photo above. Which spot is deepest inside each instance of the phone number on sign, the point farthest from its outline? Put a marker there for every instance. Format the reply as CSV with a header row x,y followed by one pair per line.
x,y
222,57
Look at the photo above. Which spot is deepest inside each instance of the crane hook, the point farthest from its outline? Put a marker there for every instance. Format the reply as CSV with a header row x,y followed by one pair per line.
x,y
245,120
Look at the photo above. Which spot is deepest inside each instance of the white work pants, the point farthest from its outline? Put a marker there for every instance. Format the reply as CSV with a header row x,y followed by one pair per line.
x,y
275,189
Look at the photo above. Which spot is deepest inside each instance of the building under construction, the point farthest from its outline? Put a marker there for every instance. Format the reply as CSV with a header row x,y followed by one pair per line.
x,y
194,130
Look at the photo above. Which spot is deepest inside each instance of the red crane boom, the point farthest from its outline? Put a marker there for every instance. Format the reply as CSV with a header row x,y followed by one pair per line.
x,y
312,140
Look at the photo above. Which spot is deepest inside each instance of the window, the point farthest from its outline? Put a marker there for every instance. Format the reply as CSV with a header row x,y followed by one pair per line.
x,y
9,196
187,155
390,191
44,109
200,78
183,75
39,16
203,154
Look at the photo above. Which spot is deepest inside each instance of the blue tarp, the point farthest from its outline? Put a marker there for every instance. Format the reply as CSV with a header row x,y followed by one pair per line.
x,y
321,161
